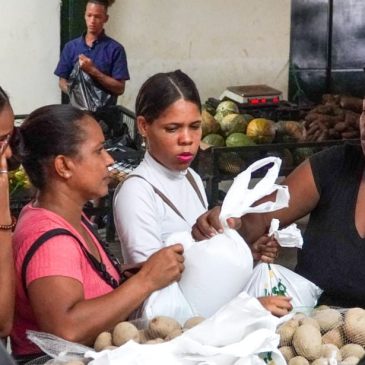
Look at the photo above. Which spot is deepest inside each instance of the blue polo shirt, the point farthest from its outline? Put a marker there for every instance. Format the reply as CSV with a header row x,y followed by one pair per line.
x,y
107,54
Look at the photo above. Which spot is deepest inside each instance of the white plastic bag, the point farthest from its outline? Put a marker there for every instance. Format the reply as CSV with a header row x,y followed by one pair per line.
x,y
217,269
169,301
290,236
239,333
272,279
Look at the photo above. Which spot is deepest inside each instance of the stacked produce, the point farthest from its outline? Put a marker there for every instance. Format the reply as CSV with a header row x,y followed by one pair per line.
x,y
327,336
157,330
226,127
336,118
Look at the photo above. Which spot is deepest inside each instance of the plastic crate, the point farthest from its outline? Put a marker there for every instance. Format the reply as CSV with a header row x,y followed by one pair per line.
x,y
217,164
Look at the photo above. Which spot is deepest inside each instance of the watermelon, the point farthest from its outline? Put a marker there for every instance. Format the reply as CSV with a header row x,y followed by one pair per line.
x,y
238,139
214,139
261,130
233,123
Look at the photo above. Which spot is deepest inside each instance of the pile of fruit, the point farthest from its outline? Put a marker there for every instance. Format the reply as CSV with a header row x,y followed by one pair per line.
x,y
157,330
225,126
327,336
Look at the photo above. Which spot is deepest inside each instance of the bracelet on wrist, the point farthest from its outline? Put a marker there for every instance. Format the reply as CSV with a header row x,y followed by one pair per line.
x,y
8,227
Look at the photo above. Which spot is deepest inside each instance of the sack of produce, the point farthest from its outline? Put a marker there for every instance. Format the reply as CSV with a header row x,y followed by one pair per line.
x,y
272,279
217,269
323,336
241,332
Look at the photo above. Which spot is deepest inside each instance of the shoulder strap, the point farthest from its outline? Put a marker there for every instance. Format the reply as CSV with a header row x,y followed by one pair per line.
x,y
113,259
161,195
193,183
99,267
35,246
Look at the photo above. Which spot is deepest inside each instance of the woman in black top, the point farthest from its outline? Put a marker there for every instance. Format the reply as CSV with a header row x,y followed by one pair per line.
x,y
330,186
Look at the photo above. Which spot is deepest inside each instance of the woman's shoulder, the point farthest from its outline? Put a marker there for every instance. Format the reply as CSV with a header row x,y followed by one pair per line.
x,y
336,155
33,222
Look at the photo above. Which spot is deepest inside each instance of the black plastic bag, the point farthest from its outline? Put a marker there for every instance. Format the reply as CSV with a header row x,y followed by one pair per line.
x,y
123,139
85,94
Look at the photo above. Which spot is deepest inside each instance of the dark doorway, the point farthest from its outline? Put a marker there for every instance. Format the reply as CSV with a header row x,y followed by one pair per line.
x,y
327,49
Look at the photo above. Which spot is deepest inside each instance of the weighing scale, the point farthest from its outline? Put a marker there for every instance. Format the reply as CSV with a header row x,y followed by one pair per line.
x,y
253,95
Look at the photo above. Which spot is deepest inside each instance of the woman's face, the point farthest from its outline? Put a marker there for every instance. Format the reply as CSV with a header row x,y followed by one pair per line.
x,y
89,168
173,138
6,130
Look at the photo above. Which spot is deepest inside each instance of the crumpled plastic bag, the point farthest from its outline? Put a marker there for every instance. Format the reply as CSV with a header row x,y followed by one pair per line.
x,y
85,94
61,351
286,237
217,269
241,333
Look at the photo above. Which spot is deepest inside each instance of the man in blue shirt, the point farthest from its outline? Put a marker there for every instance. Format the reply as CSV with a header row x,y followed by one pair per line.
x,y
104,60
100,56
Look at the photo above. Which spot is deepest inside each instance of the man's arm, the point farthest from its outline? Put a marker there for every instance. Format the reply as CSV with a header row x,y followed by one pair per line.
x,y
109,83
62,83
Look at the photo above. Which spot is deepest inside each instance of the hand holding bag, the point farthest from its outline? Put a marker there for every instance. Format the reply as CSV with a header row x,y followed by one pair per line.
x,y
217,269
85,94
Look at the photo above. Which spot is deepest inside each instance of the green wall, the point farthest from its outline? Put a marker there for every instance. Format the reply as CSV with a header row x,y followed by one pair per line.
x,y
72,19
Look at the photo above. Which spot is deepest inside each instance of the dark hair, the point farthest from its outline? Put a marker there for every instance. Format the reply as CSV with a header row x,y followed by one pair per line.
x,y
4,99
47,132
163,89
105,3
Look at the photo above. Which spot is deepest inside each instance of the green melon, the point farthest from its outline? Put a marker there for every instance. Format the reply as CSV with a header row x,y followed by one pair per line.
x,y
238,139
232,123
220,115
214,139
227,106
261,130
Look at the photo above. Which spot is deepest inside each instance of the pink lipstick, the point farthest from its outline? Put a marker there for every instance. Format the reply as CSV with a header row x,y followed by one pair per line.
x,y
185,157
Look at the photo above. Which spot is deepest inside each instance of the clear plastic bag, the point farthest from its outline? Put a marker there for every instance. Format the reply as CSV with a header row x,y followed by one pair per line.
x,y
60,350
